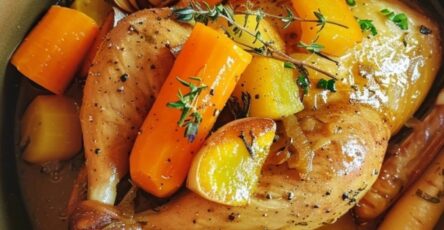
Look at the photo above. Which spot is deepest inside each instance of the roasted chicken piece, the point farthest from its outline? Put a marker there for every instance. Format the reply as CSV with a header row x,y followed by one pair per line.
x,y
382,81
346,164
122,84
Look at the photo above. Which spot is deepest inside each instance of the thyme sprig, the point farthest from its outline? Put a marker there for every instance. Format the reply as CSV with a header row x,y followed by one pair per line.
x,y
316,48
290,17
205,14
190,117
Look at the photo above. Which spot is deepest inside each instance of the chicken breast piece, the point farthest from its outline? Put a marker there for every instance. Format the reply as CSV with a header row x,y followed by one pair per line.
x,y
122,84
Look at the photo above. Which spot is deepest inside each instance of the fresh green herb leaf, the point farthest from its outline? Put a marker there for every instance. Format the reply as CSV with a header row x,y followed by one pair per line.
x,y
289,65
289,19
204,13
304,83
351,2
312,48
367,25
388,13
327,85
400,19
190,118
321,19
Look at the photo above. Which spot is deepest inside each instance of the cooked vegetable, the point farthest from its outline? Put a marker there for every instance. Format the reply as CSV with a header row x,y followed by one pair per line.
x,y
267,32
274,93
50,130
422,205
52,52
121,87
105,27
403,165
96,9
227,168
210,60
335,39
273,90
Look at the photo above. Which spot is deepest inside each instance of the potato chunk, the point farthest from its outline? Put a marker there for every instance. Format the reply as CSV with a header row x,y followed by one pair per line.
x,y
50,130
226,169
266,30
96,9
272,88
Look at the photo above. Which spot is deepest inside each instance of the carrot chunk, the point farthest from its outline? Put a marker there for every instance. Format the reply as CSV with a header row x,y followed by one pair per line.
x,y
52,52
335,39
162,154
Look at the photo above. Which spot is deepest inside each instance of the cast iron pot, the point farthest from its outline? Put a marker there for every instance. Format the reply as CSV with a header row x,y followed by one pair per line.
x,y
16,18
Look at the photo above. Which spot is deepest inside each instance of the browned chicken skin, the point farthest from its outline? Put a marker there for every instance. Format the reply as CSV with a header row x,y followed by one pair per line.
x,y
344,167
122,84
348,131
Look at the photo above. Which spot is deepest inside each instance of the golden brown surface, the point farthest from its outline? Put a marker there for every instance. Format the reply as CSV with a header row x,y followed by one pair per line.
x,y
382,82
126,75
345,165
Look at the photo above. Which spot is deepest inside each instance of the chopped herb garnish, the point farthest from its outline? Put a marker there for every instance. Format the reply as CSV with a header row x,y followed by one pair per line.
x,y
367,25
304,83
351,2
327,85
427,197
389,14
400,19
425,30
190,118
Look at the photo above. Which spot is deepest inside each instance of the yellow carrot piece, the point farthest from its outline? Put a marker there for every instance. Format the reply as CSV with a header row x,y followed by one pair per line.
x,y
96,9
266,29
335,39
272,88
52,52
162,155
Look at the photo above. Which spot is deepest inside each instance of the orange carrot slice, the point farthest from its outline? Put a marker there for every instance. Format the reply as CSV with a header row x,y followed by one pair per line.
x,y
335,39
161,156
52,52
